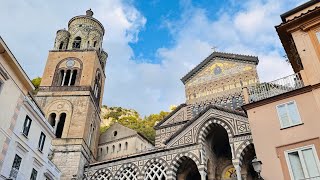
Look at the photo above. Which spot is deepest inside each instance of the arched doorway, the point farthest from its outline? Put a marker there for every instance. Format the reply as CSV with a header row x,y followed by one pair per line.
x,y
247,156
219,153
187,170
60,125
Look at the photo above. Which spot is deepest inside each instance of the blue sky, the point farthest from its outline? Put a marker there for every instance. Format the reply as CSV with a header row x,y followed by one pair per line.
x,y
151,44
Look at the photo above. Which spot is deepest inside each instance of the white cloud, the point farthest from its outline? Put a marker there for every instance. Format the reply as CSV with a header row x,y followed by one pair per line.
x,y
246,28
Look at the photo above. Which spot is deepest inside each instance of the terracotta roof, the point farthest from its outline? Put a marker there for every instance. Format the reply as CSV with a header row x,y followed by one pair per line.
x,y
240,113
246,58
297,9
157,126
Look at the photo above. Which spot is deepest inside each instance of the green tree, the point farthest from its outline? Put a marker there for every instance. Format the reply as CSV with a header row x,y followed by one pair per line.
x,y
36,83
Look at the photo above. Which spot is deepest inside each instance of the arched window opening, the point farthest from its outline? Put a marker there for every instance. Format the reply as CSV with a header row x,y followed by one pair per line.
x,y
95,43
97,85
76,43
119,147
60,125
73,78
69,77
126,146
107,149
91,134
101,151
66,78
113,148
88,44
128,173
61,78
156,171
52,119
61,45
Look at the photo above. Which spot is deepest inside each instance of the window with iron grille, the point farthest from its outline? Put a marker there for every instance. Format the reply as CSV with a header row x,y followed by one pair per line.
x,y
15,166
41,141
1,85
26,126
34,174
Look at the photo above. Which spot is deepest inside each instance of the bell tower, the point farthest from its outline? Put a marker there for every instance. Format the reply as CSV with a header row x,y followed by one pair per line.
x,y
71,91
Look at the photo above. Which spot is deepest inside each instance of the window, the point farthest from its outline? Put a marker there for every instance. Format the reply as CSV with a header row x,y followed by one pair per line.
x,y
303,163
113,148
318,36
15,166
34,174
60,125
115,133
1,85
68,77
26,126
107,149
126,146
119,147
288,114
41,141
52,119
76,43
61,45
94,44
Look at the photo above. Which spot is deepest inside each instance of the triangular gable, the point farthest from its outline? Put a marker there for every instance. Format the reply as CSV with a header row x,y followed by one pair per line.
x,y
177,115
116,131
236,121
225,56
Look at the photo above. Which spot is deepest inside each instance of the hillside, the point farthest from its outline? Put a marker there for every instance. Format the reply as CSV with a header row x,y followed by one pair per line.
x,y
131,119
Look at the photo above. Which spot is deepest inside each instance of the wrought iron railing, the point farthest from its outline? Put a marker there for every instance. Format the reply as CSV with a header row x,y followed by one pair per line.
x,y
15,174
269,89
312,178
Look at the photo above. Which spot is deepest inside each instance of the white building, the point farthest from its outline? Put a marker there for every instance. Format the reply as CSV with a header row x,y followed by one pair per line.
x,y
25,135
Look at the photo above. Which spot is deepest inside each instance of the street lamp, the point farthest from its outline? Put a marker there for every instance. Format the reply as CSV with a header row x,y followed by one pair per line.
x,y
257,165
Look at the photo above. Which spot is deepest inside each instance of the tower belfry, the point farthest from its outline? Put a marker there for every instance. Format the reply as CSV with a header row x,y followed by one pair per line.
x,y
71,93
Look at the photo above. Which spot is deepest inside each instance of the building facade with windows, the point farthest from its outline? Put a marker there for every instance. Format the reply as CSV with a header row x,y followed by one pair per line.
x,y
25,138
120,141
284,114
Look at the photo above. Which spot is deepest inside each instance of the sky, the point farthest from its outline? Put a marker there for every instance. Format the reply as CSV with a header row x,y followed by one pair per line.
x,y
151,44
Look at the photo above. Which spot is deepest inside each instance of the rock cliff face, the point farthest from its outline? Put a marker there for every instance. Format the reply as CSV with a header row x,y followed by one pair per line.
x,y
110,114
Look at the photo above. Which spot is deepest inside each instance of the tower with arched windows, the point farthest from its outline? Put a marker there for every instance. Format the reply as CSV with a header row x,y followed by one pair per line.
x,y
71,93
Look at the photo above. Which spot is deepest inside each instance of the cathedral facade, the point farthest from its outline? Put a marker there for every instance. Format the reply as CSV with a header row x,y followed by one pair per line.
x,y
207,137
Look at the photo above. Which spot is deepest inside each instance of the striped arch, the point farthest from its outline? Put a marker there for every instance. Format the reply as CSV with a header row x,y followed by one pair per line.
x,y
102,174
204,130
242,149
178,159
128,171
155,169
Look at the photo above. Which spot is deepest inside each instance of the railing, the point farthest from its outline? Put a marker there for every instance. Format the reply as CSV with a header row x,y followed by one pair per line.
x,y
312,178
274,88
15,174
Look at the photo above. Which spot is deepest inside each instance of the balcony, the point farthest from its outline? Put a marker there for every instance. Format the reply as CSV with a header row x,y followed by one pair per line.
x,y
280,86
312,178
15,174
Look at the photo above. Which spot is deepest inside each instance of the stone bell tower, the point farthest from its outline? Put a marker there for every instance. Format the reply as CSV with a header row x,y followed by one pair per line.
x,y
71,93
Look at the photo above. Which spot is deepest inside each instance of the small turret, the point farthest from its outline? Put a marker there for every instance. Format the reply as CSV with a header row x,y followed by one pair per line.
x,y
62,39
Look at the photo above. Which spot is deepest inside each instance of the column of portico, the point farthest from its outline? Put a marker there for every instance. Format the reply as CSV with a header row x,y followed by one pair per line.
x,y
237,166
